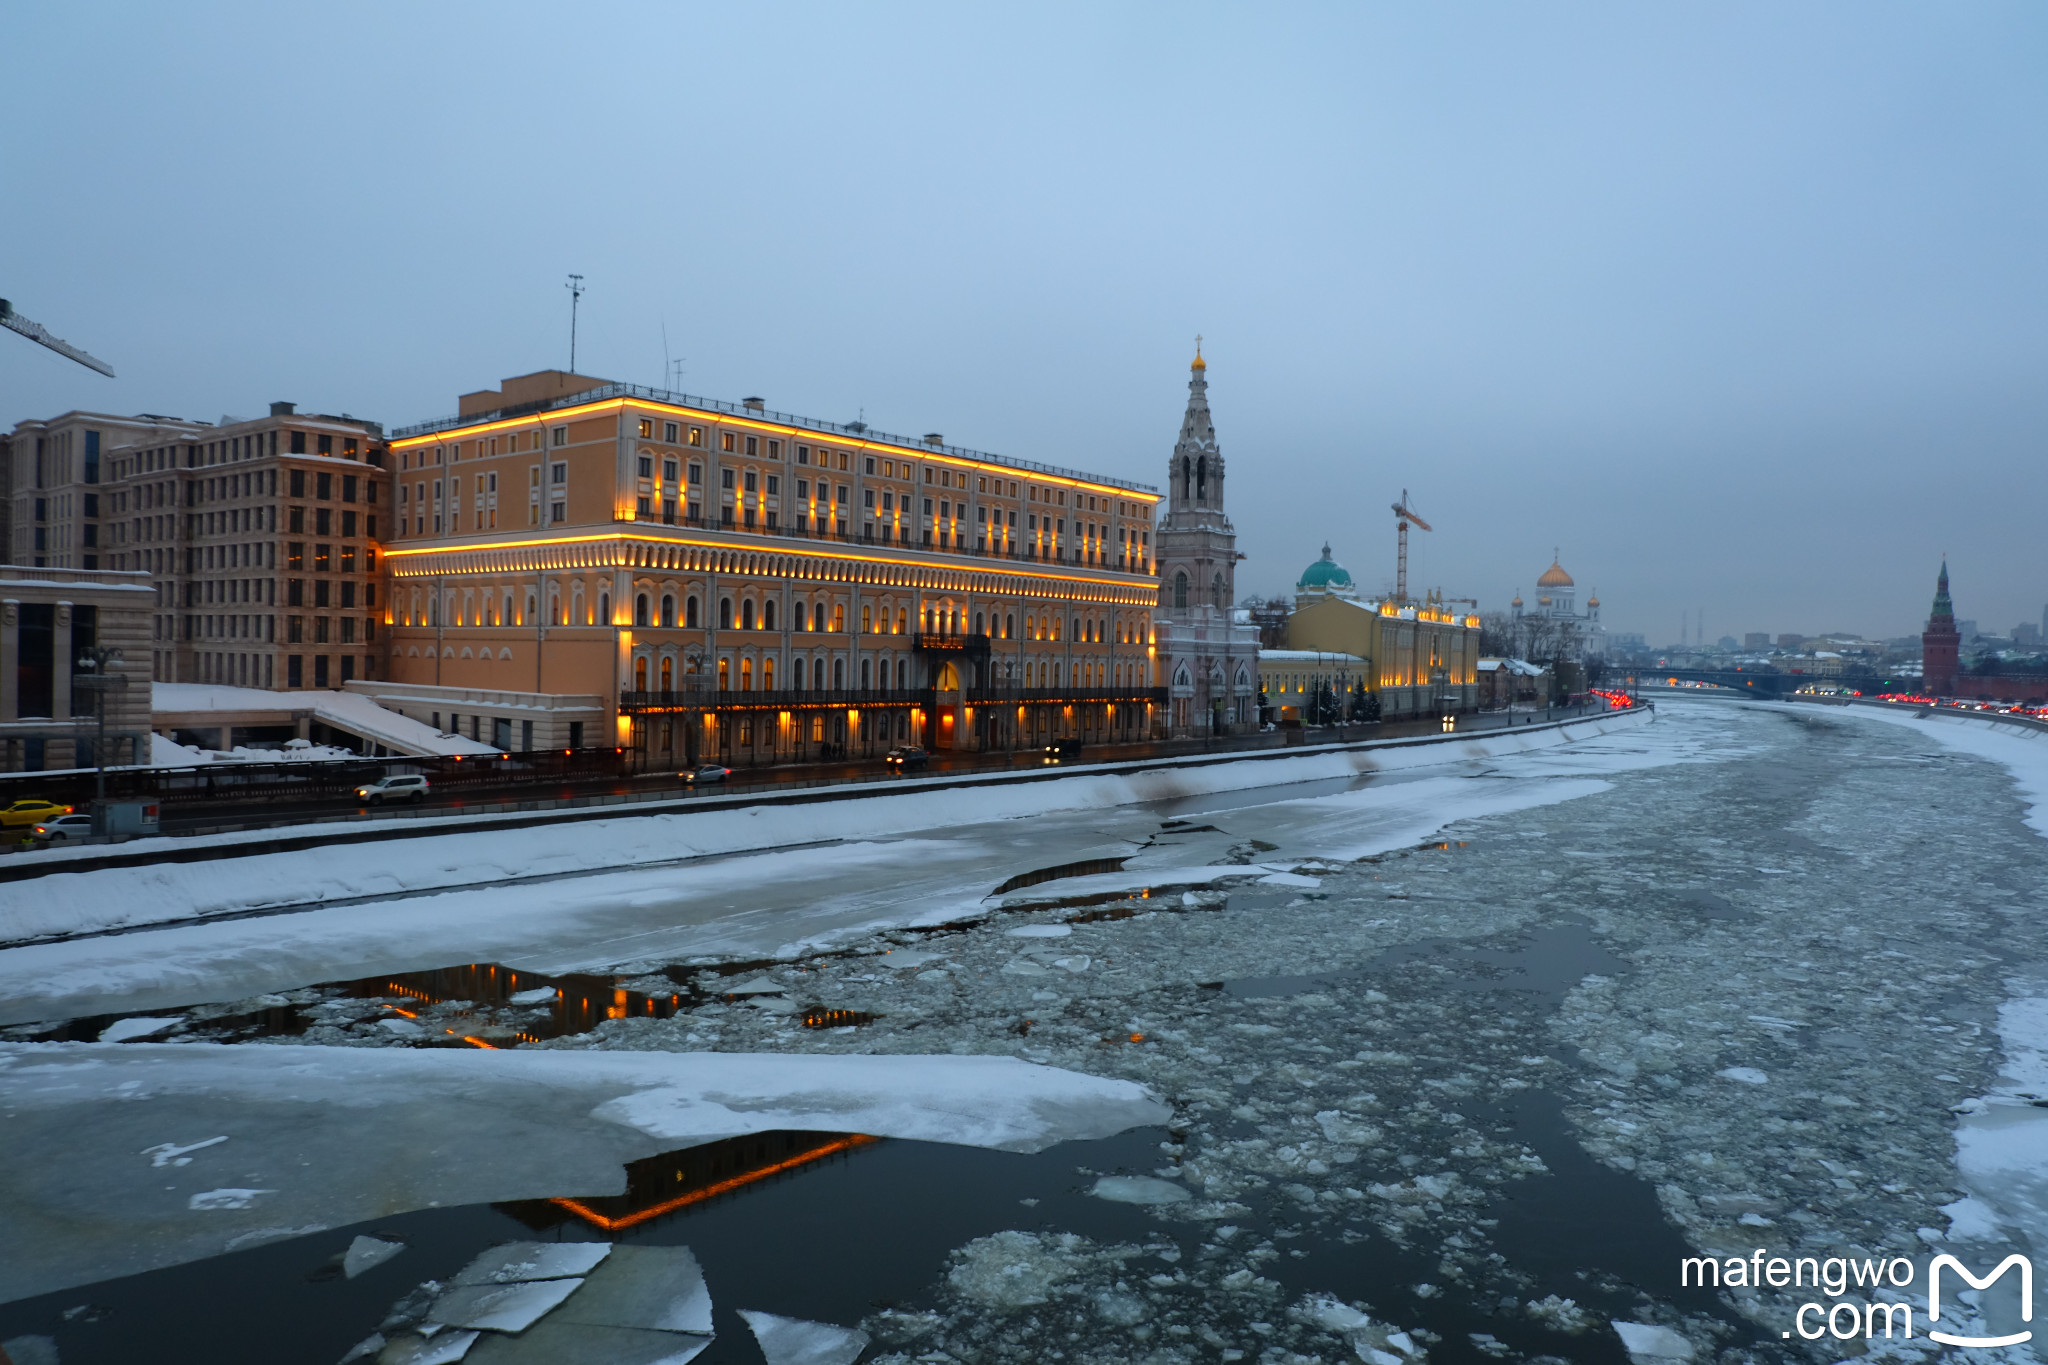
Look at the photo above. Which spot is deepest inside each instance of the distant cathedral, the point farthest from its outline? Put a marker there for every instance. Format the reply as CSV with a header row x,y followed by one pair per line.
x,y
1208,650
1555,627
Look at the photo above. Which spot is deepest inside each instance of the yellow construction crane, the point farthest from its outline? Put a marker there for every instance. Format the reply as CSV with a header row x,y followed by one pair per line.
x,y
1403,514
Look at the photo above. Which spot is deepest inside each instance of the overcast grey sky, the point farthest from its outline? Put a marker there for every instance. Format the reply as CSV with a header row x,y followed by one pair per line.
x,y
1742,306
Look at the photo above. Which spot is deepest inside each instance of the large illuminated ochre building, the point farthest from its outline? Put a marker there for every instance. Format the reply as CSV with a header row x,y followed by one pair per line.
x,y
699,580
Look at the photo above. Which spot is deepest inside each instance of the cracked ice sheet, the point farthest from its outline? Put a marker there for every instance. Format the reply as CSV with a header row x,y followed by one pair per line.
x,y
2002,1141
137,895
1339,1109
1783,1064
781,904
332,1136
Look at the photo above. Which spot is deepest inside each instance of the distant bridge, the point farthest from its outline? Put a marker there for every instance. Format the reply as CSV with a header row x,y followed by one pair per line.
x,y
1753,681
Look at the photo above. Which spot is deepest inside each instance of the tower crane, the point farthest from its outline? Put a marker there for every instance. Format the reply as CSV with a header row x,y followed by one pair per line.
x,y
1403,514
34,331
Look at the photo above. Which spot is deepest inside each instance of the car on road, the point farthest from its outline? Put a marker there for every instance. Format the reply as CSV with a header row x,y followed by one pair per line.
x,y
1063,751
705,773
907,756
63,827
30,812
397,787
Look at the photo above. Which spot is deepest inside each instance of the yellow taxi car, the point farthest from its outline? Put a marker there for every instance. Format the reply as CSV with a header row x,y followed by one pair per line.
x,y
29,812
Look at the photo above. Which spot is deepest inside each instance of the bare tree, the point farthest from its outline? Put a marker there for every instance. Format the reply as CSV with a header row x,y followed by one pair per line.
x,y
1496,635
1538,638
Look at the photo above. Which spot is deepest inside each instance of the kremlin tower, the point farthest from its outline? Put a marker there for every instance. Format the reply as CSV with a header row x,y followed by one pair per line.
x,y
1940,644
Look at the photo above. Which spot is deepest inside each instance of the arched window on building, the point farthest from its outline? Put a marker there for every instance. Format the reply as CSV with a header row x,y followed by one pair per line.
x,y
604,608
690,611
1216,591
668,673
668,609
978,624
818,674
867,674
640,674
1202,479
1180,589
839,675
725,613
818,616
640,610
747,615
768,614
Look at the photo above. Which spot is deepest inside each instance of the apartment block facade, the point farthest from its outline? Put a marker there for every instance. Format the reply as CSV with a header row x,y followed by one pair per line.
x,y
58,507
758,587
261,538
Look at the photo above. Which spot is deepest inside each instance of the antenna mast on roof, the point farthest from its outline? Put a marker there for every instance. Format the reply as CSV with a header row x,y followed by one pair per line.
x,y
34,331
575,288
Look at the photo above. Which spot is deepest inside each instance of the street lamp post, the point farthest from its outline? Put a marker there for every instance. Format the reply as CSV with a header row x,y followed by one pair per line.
x,y
94,659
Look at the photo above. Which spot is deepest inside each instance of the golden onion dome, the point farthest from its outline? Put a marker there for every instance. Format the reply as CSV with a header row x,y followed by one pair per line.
x,y
1554,577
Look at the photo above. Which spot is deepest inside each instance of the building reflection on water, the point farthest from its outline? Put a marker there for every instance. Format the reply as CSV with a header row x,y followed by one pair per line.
x,y
661,1185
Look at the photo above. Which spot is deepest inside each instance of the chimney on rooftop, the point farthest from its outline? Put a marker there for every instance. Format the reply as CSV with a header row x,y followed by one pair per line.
x,y
283,409
934,440
754,404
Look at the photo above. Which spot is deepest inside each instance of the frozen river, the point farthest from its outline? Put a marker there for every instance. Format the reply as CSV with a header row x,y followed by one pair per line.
x,y
1454,1064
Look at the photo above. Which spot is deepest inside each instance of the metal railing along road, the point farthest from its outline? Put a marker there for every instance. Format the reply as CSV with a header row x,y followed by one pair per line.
x,y
853,433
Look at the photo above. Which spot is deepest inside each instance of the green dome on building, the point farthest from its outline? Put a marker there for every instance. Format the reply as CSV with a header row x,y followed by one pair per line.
x,y
1325,575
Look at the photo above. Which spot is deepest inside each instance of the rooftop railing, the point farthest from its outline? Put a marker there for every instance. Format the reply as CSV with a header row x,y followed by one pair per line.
x,y
854,432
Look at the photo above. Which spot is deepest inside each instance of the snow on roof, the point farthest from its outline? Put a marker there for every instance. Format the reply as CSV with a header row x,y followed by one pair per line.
x,y
1520,668
348,711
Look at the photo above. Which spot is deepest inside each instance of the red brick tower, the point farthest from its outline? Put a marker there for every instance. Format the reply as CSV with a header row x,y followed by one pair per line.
x,y
1939,643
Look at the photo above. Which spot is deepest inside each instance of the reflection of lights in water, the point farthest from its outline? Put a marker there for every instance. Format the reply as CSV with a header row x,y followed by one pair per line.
x,y
645,1182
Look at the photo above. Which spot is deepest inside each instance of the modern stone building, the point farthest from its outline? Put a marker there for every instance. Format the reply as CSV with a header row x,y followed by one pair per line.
x,y
1208,649
760,587
58,505
51,620
261,538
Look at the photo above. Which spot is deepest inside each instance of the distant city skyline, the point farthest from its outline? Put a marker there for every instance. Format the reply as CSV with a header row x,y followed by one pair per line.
x,y
1738,307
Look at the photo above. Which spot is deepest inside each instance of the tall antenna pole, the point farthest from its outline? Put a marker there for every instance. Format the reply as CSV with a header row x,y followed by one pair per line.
x,y
575,288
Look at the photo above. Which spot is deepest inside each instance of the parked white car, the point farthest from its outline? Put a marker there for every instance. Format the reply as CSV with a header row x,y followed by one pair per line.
x,y
406,787
64,827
